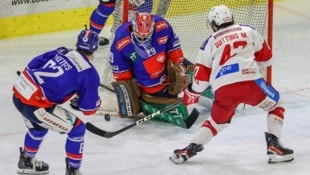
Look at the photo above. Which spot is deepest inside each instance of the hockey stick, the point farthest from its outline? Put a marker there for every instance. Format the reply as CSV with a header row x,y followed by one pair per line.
x,y
108,134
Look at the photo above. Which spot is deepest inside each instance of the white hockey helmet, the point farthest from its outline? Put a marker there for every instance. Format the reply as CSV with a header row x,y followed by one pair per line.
x,y
219,15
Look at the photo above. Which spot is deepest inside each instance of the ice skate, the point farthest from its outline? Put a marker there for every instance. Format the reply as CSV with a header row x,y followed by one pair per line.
x,y
70,170
182,155
31,166
276,153
103,41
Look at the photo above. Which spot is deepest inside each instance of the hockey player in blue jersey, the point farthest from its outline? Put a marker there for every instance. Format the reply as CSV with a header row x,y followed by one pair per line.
x,y
147,64
48,81
105,8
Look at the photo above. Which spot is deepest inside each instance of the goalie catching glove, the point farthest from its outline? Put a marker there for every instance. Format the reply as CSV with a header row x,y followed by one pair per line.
x,y
177,75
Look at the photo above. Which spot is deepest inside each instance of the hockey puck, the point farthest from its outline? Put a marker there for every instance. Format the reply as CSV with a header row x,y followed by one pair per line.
x,y
107,117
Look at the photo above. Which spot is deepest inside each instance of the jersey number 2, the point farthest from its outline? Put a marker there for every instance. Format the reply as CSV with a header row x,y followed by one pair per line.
x,y
51,64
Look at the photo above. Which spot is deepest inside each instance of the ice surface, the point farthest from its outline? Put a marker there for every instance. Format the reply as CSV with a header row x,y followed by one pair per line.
x,y
144,149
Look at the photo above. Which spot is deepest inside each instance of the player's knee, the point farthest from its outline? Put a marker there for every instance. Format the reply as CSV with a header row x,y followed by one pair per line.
x,y
78,130
278,111
35,133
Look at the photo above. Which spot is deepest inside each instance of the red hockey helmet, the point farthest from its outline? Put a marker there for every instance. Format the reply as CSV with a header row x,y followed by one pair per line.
x,y
143,25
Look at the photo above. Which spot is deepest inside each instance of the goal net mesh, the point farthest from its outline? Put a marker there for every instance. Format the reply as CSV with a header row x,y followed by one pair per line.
x,y
189,20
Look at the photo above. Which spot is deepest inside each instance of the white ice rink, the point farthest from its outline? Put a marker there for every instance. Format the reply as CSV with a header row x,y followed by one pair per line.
x,y
144,149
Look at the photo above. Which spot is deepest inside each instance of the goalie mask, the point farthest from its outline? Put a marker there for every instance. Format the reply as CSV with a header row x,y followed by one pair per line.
x,y
220,16
142,26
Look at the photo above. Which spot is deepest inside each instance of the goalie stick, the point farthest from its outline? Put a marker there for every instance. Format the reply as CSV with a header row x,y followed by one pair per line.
x,y
108,134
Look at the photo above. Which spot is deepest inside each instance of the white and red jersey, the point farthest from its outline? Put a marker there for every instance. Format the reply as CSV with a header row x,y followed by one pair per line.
x,y
232,54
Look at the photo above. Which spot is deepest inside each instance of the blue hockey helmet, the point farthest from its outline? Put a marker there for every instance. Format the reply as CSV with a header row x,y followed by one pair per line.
x,y
87,41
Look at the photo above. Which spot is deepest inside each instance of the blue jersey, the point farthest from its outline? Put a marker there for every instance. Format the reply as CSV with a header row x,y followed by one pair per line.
x,y
62,73
145,61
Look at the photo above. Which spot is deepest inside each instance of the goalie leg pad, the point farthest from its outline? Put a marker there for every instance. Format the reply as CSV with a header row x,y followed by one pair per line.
x,y
176,116
127,94
180,116
60,120
158,100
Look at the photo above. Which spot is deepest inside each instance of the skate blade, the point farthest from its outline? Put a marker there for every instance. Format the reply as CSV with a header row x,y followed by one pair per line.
x,y
31,172
280,159
175,159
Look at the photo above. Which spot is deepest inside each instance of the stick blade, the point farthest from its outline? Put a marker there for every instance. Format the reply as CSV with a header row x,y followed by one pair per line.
x,y
95,130
192,118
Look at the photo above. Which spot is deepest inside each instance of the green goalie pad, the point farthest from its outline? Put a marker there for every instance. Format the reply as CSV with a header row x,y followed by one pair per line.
x,y
176,116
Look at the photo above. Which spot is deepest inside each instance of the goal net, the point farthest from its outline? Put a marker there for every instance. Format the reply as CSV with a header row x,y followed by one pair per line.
x,y
189,20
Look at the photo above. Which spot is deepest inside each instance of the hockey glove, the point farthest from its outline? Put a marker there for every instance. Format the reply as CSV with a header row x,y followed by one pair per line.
x,y
177,75
74,103
190,99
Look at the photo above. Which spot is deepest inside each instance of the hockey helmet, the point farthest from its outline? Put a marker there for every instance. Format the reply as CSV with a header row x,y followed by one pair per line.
x,y
219,15
87,41
142,25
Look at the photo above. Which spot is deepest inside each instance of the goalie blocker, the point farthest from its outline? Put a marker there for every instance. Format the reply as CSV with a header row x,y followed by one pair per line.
x,y
131,102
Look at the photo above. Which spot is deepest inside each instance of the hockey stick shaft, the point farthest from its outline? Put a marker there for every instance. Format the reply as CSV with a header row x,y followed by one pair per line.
x,y
108,134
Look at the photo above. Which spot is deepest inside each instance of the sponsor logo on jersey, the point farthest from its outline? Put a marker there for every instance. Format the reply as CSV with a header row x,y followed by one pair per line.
x,y
163,78
161,58
162,40
133,56
78,61
123,43
155,65
249,71
160,25
228,70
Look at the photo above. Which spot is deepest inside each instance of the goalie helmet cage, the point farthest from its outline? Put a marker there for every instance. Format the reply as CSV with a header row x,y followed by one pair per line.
x,y
189,21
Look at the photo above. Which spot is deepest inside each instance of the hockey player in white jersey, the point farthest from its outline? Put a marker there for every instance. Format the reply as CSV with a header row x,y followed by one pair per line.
x,y
229,61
